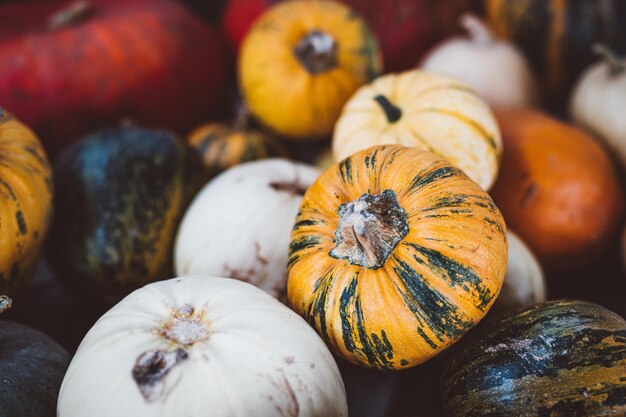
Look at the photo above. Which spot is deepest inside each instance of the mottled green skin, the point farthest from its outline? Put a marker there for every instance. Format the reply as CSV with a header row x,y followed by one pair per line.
x,y
32,367
120,196
561,358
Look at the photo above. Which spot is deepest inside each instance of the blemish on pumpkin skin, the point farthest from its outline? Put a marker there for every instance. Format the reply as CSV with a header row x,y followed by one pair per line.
x,y
151,369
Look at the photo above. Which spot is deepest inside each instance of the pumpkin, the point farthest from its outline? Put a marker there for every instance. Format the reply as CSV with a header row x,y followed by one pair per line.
x,y
192,345
69,68
557,189
524,283
121,193
405,28
426,111
32,366
301,61
493,68
26,209
556,35
238,225
394,255
561,358
599,99
223,146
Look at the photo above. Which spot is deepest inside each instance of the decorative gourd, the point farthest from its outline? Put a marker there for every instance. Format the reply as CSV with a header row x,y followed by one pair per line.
x,y
561,358
556,35
196,345
426,111
557,189
248,243
524,283
493,68
301,61
68,68
32,366
223,146
26,208
404,28
599,100
394,255
120,196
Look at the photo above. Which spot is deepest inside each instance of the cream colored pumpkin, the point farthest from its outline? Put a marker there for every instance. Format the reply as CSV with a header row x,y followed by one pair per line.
x,y
524,283
239,224
200,346
426,111
599,102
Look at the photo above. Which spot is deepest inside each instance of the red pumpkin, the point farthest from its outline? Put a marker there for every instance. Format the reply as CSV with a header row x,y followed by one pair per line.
x,y
68,68
406,29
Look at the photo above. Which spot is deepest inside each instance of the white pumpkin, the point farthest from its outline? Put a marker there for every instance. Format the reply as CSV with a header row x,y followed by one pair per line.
x,y
495,69
524,282
197,347
239,224
599,101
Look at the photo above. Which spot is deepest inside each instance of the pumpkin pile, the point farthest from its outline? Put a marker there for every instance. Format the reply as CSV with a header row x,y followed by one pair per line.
x,y
321,208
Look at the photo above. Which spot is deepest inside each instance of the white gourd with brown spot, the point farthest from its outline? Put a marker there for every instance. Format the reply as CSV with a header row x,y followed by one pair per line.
x,y
200,346
239,224
425,111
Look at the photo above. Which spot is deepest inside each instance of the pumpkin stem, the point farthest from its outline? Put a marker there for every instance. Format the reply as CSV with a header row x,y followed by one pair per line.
x,y
317,52
370,228
616,65
185,326
5,303
72,15
476,29
392,112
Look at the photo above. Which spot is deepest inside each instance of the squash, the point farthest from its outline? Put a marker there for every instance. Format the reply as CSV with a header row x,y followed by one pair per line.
x,y
556,35
599,99
493,68
196,345
121,193
238,225
557,189
71,67
301,61
32,366
524,283
427,111
26,209
394,255
561,358
223,146
404,28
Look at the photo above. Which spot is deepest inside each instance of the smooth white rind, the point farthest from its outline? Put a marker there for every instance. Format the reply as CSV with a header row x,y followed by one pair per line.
x,y
260,358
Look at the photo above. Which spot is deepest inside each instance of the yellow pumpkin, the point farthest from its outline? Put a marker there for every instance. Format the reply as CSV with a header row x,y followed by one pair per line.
x,y
301,61
26,208
394,255
223,146
427,111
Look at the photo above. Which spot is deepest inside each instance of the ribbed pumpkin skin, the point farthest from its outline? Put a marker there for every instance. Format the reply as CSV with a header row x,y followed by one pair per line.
x,y
222,146
120,196
280,90
147,60
438,114
437,282
557,359
557,35
32,366
26,209
557,188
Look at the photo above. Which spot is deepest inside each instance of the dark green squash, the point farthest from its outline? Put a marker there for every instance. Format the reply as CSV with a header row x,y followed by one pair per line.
x,y
120,196
561,358
32,366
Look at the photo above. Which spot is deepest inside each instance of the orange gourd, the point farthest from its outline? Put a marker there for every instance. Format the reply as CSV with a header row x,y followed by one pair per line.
x,y
557,188
26,208
394,255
